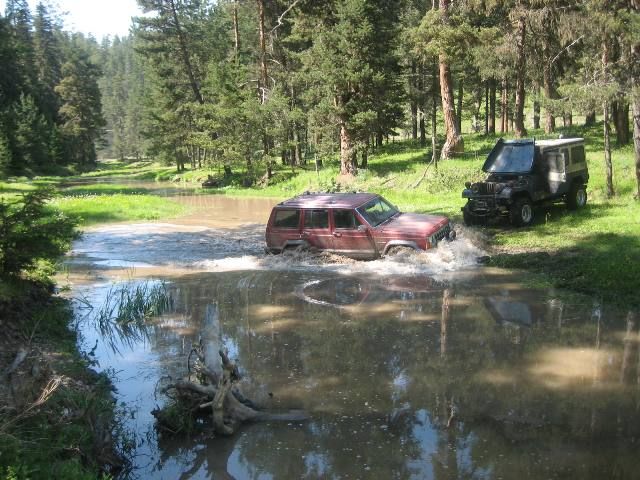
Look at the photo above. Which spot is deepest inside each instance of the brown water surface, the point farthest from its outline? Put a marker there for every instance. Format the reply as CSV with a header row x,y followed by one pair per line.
x,y
424,366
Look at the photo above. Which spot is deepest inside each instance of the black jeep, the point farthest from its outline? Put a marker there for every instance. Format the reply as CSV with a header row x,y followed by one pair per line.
x,y
524,173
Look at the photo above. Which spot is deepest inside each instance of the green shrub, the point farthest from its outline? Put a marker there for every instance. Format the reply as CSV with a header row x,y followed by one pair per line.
x,y
31,232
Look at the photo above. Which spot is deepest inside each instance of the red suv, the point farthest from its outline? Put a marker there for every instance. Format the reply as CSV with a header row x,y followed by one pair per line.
x,y
356,225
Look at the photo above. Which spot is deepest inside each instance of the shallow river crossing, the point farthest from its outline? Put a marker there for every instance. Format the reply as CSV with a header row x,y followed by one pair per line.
x,y
424,366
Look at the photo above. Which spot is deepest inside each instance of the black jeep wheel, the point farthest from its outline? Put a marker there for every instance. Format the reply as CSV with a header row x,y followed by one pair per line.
x,y
469,218
521,212
577,196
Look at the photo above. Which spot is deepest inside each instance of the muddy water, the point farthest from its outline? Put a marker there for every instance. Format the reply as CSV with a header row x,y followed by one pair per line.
x,y
424,366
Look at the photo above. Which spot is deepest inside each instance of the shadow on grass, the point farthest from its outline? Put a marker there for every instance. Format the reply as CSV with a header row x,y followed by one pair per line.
x,y
382,168
604,266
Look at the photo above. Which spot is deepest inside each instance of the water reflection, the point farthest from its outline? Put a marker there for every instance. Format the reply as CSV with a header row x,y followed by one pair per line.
x,y
403,377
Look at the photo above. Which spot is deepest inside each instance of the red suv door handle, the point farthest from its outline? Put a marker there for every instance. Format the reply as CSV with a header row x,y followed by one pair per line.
x,y
336,234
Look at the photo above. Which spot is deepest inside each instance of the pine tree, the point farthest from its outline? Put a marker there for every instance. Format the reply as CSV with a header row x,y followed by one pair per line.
x,y
81,109
350,74
30,136
48,56
19,17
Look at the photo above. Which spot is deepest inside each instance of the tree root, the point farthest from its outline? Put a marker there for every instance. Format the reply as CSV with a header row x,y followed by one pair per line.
x,y
218,397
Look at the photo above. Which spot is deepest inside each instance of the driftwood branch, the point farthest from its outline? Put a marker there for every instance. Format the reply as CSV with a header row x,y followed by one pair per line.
x,y
214,390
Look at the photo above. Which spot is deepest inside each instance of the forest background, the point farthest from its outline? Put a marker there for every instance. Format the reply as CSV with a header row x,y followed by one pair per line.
x,y
248,84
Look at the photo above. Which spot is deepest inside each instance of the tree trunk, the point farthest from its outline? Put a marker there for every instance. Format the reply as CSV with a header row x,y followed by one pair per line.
x,y
297,146
504,106
236,32
486,108
184,53
459,109
423,133
414,103
607,150
365,158
636,117
607,127
454,143
590,118
492,107
520,129
567,119
434,116
549,91
536,108
264,74
620,113
347,152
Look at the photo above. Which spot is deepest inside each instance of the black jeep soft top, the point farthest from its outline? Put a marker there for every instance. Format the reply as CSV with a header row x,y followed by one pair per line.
x,y
524,173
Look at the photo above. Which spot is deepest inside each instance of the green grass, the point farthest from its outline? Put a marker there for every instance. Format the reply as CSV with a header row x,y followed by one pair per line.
x,y
93,209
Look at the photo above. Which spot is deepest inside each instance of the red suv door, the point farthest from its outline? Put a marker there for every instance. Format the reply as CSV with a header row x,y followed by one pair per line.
x,y
350,235
315,229
283,228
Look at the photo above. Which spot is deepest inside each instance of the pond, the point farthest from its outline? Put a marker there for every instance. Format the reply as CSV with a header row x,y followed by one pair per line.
x,y
424,366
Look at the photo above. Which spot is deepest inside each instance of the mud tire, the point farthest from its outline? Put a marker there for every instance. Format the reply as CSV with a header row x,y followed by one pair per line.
x,y
470,219
577,196
399,251
521,212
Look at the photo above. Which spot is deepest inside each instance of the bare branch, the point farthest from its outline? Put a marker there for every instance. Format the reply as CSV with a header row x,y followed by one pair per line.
x,y
566,48
281,17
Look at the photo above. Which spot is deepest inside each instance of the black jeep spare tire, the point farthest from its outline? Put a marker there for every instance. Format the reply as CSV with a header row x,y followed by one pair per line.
x,y
577,196
521,212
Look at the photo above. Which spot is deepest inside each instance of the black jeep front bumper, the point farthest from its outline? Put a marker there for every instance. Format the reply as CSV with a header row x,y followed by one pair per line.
x,y
486,206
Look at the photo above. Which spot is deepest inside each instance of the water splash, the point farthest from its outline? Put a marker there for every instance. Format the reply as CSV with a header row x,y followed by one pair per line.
x,y
199,248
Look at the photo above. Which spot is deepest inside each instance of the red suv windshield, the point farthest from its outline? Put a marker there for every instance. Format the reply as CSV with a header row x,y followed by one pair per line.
x,y
377,211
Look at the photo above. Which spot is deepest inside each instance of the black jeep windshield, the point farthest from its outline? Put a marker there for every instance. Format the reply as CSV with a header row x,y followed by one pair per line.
x,y
514,156
377,211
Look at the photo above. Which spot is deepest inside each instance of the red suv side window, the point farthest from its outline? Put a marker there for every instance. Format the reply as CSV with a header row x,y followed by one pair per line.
x,y
316,219
287,219
345,219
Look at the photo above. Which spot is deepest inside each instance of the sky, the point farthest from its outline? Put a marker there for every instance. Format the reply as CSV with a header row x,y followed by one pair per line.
x,y
97,17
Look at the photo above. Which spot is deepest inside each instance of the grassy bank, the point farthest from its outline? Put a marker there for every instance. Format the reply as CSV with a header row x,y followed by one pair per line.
x,y
94,208
56,414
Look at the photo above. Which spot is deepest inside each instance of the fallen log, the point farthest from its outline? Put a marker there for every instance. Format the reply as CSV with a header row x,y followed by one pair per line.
x,y
215,392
